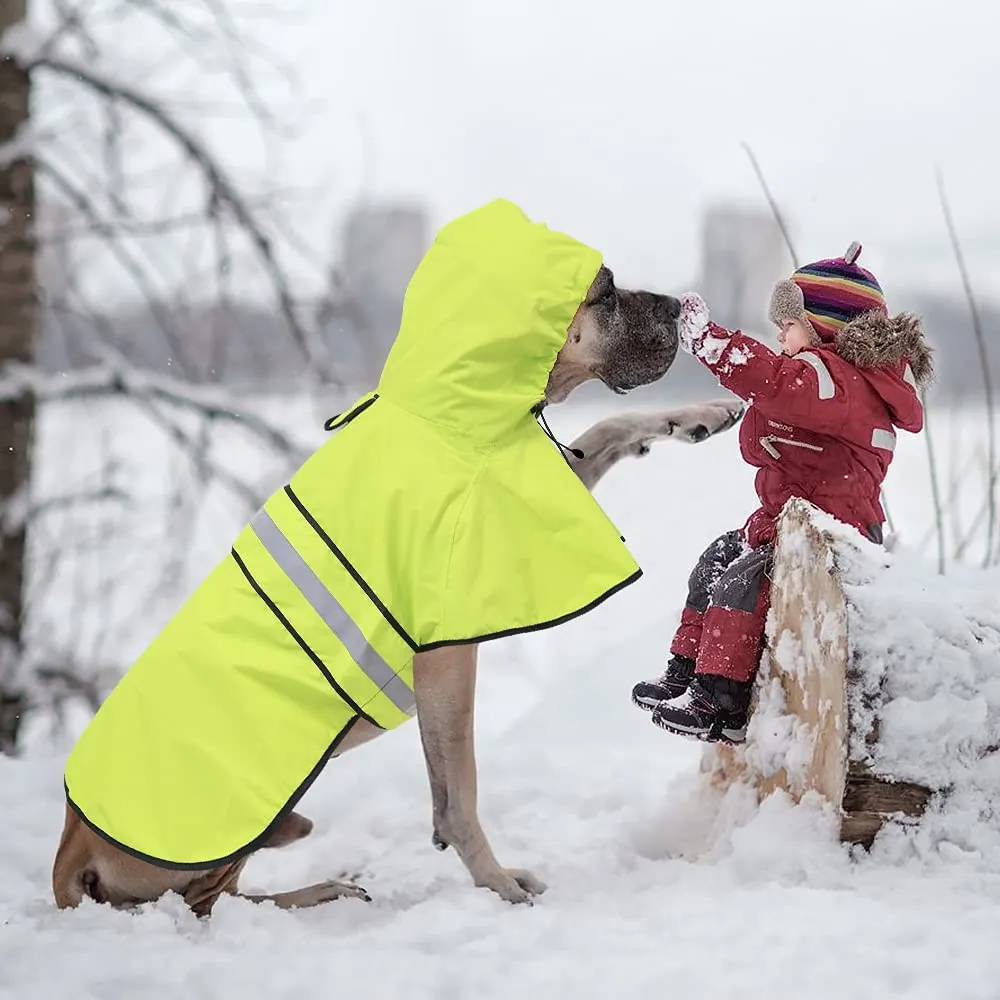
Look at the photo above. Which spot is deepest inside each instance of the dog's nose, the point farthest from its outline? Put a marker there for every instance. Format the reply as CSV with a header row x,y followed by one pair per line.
x,y
667,308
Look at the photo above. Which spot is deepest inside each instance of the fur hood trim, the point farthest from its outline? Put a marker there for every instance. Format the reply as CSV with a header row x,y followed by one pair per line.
x,y
874,340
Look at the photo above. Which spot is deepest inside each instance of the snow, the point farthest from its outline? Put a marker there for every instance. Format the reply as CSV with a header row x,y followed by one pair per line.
x,y
693,319
656,888
22,42
928,647
710,348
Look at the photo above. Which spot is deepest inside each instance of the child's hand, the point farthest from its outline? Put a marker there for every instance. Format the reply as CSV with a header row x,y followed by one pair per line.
x,y
693,321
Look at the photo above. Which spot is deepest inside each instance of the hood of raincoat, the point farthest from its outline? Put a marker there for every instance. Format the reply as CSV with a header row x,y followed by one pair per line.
x,y
509,538
483,319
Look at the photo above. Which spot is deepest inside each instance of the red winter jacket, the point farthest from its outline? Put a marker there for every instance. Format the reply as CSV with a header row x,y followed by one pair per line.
x,y
821,424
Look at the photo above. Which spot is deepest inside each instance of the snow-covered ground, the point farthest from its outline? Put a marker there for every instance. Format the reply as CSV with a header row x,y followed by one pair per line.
x,y
654,892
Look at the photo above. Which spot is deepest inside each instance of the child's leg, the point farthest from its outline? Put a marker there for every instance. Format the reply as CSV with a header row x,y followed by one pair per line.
x,y
674,681
716,704
708,570
733,626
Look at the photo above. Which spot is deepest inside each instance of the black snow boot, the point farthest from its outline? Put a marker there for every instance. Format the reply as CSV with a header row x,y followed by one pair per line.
x,y
713,709
672,683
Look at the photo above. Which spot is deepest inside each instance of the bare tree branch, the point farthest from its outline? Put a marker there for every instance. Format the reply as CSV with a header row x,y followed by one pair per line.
x,y
82,203
219,187
984,362
142,222
935,489
774,205
108,381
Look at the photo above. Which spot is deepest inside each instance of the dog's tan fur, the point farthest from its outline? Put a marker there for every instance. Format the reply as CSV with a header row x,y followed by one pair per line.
x,y
444,679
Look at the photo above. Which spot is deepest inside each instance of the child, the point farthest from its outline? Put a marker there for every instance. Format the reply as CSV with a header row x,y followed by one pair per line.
x,y
820,426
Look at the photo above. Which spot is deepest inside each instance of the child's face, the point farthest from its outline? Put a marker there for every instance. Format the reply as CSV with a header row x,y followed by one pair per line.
x,y
793,336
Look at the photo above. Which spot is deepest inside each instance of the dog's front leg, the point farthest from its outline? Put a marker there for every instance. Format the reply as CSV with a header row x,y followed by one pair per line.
x,y
444,682
607,442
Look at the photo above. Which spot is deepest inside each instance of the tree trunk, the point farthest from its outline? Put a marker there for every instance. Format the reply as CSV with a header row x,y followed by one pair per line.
x,y
18,325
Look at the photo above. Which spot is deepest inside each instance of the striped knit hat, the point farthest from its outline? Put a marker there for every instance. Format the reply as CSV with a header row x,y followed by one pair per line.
x,y
827,294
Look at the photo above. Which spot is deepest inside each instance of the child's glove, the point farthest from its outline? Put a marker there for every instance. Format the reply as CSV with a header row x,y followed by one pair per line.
x,y
692,324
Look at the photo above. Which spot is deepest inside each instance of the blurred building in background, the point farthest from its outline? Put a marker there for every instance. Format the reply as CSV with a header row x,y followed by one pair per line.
x,y
245,343
380,247
742,255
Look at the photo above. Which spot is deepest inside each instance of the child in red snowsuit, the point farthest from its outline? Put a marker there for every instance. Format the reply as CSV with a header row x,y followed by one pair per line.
x,y
821,426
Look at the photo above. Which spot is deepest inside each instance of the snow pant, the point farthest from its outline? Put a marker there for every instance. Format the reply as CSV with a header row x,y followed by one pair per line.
x,y
729,593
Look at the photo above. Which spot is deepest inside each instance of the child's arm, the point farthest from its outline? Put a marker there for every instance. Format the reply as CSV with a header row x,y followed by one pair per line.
x,y
800,389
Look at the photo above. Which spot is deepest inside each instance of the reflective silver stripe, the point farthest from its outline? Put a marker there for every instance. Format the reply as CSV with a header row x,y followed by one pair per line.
x,y
826,386
884,439
329,609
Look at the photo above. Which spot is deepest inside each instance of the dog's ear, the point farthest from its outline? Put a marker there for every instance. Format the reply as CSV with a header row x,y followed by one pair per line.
x,y
602,287
293,827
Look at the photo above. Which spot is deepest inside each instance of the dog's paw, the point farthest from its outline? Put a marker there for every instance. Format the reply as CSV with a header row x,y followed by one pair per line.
x,y
527,881
700,421
326,892
516,885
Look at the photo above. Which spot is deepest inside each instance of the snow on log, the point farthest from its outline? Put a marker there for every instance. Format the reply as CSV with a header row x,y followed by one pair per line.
x,y
879,688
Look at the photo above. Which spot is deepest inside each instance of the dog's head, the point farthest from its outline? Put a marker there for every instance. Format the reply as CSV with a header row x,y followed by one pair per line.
x,y
624,338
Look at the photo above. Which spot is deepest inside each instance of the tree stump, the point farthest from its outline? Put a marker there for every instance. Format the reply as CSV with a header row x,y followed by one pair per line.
x,y
805,734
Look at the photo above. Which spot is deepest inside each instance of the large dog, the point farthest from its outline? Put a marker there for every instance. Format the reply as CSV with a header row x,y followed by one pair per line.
x,y
623,338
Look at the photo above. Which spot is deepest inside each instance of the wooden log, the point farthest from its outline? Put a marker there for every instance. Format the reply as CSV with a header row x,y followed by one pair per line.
x,y
804,680
869,801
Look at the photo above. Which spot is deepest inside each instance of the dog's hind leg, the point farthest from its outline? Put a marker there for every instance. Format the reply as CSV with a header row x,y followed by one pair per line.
x,y
444,682
202,894
313,895
608,441
87,865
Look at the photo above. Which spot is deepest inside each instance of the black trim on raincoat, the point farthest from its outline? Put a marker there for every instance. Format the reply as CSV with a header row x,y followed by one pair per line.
x,y
255,845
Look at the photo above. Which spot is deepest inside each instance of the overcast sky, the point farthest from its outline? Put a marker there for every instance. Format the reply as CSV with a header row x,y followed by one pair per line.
x,y
618,122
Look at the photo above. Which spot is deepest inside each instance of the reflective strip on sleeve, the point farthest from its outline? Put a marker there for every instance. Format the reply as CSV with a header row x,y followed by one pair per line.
x,y
827,390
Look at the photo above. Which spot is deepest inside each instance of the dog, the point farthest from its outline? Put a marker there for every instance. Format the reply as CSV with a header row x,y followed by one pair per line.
x,y
624,339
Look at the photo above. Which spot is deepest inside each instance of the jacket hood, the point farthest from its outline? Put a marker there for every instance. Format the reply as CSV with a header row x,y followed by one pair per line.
x,y
875,340
883,347
484,316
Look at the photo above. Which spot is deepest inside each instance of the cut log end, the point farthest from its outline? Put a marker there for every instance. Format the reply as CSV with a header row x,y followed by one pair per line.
x,y
870,802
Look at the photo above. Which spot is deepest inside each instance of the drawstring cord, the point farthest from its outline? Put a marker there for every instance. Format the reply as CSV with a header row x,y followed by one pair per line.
x,y
540,417
345,418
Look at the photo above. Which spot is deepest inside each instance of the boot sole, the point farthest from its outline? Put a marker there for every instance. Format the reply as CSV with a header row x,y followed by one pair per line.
x,y
650,704
647,705
734,737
